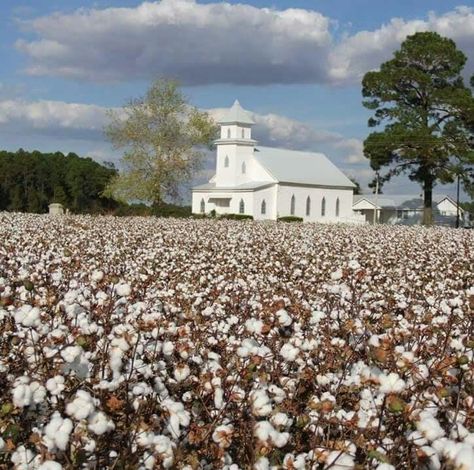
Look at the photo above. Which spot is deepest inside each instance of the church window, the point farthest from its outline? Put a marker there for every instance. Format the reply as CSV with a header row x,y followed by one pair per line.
x,y
244,168
292,206
226,162
243,133
241,207
203,206
308,206
323,207
337,207
263,208
228,133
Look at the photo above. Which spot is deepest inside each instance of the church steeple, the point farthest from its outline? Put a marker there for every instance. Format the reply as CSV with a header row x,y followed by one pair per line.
x,y
236,124
235,146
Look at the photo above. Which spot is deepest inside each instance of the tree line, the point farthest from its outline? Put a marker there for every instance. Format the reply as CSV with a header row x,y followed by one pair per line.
x,y
30,181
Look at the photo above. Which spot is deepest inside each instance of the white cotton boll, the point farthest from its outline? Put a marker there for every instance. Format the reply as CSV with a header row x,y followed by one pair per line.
x,y
283,317
391,383
280,420
168,348
28,316
385,466
2,444
338,460
164,448
374,341
336,275
27,394
261,405
55,385
429,426
290,462
254,326
464,458
82,406
97,276
289,352
353,264
70,353
57,432
280,439
219,398
278,393
50,465
262,464
181,373
24,459
123,290
222,435
99,423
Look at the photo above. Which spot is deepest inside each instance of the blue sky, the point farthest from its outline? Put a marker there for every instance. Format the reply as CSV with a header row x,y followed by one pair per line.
x,y
297,64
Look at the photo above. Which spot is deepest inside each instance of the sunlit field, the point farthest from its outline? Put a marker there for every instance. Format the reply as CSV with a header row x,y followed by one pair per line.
x,y
191,344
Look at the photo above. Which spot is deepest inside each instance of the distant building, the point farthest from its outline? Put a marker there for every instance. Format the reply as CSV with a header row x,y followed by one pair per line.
x,y
268,183
56,209
407,209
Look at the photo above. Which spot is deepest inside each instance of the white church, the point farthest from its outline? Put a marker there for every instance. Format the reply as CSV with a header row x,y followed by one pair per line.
x,y
268,183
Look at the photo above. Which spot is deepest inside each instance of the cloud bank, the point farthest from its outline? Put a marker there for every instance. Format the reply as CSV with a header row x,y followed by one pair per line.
x,y
203,44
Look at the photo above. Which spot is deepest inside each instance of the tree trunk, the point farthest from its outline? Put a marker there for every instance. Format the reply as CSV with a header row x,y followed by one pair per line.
x,y
428,202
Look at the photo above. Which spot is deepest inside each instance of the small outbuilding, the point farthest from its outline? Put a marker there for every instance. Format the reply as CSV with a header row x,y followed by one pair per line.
x,y
56,208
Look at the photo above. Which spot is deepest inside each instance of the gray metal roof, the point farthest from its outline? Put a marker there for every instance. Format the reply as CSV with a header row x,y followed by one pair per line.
x,y
291,166
252,185
399,201
236,114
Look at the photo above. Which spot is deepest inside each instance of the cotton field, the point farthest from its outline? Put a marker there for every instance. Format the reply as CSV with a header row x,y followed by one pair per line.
x,y
144,343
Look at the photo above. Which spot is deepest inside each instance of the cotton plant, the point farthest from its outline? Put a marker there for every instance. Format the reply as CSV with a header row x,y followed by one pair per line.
x,y
148,343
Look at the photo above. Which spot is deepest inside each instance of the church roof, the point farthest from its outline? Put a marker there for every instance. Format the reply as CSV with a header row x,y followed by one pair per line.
x,y
291,166
236,114
249,186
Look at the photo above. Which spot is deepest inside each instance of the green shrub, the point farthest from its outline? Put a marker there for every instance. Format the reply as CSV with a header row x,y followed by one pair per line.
x,y
290,218
236,217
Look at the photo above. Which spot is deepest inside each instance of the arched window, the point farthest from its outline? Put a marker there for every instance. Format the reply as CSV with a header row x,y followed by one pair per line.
x,y
226,162
203,206
308,206
241,207
337,207
228,133
263,208
243,133
292,206
244,168
323,207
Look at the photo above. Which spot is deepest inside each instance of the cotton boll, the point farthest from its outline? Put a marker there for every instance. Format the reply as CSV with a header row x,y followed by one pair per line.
x,y
262,464
290,462
429,426
181,373
284,318
82,406
28,316
338,460
26,393
168,348
55,385
50,465
289,352
70,353
57,432
2,444
385,466
164,447
261,405
280,420
97,276
391,383
100,424
123,290
222,435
